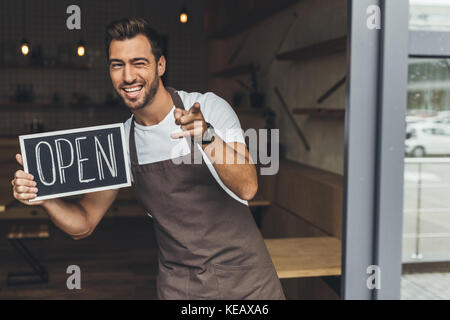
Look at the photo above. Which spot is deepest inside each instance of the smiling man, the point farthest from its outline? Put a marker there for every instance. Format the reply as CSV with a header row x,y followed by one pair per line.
x,y
209,245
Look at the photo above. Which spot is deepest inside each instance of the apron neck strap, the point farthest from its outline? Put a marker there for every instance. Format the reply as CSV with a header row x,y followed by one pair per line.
x,y
175,98
132,141
132,145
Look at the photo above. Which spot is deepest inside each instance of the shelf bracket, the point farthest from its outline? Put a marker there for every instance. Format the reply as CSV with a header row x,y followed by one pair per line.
x,y
297,128
332,90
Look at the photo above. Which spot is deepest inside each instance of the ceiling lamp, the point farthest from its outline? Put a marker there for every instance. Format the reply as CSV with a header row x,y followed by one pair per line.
x,y
183,15
81,50
25,47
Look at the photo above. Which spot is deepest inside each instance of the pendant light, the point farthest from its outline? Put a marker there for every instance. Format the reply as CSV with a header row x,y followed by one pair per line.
x,y
81,49
25,47
81,46
183,15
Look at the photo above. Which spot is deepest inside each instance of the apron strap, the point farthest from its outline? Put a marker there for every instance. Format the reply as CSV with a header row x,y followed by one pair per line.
x,y
176,98
132,141
132,145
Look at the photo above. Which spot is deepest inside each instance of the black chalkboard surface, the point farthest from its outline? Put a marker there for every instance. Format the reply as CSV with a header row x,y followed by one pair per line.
x,y
70,162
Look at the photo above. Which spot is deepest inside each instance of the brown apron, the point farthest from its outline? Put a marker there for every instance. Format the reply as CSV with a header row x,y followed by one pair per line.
x,y
209,244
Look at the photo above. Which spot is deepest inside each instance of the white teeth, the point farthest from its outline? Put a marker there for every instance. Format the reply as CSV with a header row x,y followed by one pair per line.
x,y
133,89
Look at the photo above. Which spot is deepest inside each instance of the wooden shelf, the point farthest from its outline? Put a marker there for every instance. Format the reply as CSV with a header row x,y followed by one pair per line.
x,y
252,110
321,112
8,142
15,104
29,232
31,67
259,203
316,50
256,16
234,71
52,107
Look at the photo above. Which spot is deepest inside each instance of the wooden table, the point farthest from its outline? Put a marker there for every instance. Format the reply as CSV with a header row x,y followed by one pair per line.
x,y
305,257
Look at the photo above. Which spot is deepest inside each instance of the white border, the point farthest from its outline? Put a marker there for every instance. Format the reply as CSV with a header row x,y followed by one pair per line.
x,y
72,193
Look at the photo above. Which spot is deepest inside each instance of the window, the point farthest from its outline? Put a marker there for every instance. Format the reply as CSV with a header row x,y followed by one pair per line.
x,y
426,220
429,15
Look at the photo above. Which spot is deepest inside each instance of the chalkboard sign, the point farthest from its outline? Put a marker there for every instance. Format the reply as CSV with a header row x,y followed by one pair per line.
x,y
70,162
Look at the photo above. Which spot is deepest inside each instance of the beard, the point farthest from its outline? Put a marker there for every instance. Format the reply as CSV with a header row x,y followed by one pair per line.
x,y
147,96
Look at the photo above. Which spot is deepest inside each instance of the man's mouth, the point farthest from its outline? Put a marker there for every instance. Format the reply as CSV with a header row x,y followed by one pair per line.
x,y
132,92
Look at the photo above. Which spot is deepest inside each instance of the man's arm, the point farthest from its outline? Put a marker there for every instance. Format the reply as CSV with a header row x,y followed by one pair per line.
x,y
231,160
234,166
78,219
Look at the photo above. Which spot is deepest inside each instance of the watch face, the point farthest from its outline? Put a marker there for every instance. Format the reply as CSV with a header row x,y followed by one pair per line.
x,y
208,135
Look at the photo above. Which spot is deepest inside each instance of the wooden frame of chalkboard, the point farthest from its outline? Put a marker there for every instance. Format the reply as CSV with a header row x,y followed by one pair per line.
x,y
124,160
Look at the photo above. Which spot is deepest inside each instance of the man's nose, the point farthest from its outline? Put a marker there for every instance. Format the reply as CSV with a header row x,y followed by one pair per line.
x,y
128,74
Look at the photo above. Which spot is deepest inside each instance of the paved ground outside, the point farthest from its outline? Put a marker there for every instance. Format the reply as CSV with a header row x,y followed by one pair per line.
x,y
432,224
426,212
426,286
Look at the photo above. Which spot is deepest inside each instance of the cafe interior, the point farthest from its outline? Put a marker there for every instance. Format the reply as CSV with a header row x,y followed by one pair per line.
x,y
279,64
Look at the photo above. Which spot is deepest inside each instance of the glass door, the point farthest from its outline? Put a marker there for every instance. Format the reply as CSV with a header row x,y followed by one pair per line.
x,y
426,207
396,228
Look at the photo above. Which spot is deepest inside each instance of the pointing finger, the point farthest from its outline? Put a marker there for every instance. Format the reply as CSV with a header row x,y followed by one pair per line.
x,y
195,108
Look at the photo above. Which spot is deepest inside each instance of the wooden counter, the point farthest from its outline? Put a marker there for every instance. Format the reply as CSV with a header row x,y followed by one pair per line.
x,y
305,257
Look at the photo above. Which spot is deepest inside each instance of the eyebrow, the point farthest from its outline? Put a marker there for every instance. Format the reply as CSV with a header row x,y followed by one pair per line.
x,y
137,59
132,60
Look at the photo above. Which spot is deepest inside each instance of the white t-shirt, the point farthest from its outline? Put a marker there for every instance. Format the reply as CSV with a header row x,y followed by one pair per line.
x,y
153,143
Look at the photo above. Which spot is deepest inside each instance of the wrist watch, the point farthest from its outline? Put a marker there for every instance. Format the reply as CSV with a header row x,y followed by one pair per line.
x,y
209,134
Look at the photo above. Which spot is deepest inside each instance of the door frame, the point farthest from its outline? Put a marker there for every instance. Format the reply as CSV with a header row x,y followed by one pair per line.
x,y
375,129
375,126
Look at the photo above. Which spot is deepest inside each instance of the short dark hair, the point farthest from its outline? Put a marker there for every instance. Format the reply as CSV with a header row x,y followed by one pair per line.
x,y
128,28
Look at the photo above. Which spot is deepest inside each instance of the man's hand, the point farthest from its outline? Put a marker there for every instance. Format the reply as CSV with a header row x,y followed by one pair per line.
x,y
76,218
192,122
230,160
24,186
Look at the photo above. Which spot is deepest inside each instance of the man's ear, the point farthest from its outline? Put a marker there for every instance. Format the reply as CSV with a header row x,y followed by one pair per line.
x,y
161,66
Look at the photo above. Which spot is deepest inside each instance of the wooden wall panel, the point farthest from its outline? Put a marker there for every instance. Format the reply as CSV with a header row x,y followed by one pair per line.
x,y
251,119
315,195
266,187
280,223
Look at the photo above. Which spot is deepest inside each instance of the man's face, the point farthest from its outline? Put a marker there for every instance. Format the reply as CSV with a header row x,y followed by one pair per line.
x,y
134,71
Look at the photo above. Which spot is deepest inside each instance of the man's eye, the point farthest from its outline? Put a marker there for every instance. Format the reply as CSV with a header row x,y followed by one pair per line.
x,y
140,64
116,65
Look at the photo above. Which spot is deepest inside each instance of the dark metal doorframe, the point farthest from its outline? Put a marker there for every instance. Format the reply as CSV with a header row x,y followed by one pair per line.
x,y
374,149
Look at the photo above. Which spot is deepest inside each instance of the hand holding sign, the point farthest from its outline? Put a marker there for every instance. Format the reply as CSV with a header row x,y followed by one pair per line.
x,y
192,122
70,162
24,186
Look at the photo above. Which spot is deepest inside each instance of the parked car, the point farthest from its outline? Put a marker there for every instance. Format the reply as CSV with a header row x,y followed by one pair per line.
x,y
423,139
443,117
